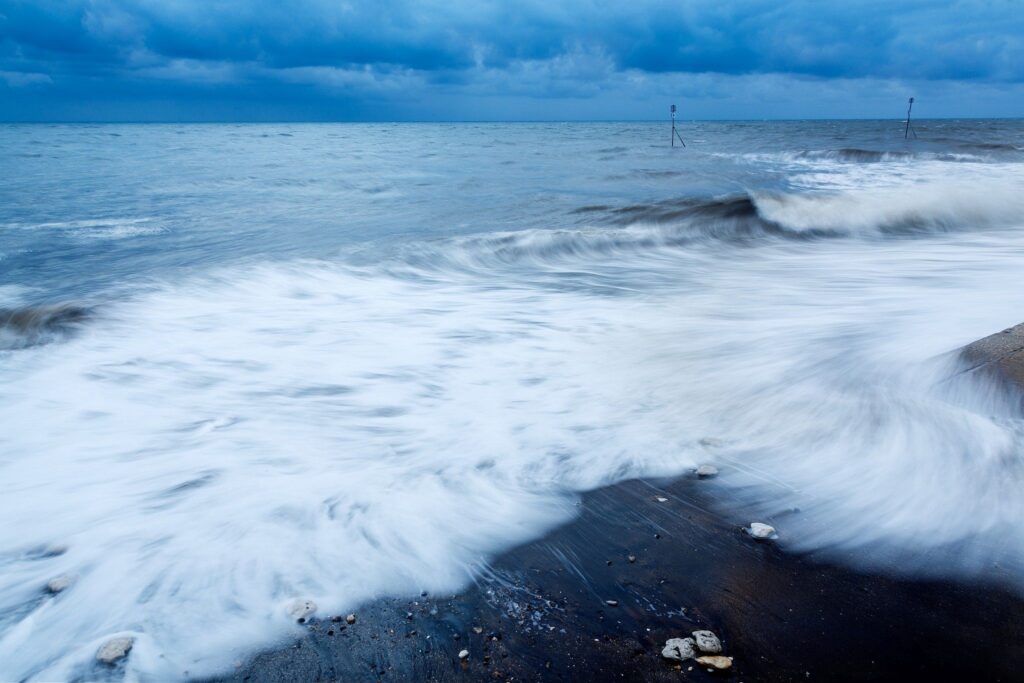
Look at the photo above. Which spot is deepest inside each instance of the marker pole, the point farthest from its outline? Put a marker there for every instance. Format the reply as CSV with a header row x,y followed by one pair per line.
x,y
675,134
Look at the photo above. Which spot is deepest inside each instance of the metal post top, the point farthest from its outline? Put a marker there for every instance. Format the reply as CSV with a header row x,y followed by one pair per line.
x,y
673,109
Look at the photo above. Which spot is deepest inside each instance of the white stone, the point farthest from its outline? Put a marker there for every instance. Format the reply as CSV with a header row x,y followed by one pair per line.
x,y
300,609
114,649
707,471
60,583
759,530
707,641
464,654
679,648
716,662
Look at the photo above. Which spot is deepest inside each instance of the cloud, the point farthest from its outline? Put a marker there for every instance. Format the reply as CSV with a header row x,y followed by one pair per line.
x,y
20,79
102,49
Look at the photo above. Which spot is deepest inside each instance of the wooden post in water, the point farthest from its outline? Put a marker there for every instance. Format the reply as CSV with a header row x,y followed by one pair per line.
x,y
675,134
908,129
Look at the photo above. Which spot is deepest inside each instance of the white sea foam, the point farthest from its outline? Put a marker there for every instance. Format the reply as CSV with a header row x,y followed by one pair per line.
x,y
105,228
218,446
920,207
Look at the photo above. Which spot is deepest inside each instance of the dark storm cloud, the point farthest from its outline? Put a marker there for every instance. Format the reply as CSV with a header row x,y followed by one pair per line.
x,y
102,48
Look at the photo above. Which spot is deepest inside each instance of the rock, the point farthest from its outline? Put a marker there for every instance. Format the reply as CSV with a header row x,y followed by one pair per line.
x,y
707,471
711,442
612,603
351,619
631,558
464,654
300,609
707,642
716,662
661,499
679,648
59,583
478,629
114,650
761,531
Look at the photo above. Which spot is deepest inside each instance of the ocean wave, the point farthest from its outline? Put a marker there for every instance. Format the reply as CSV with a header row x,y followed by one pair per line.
x,y
739,220
96,229
350,434
853,154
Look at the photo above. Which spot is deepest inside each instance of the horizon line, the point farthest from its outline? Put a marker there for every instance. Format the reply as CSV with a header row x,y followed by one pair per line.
x,y
481,121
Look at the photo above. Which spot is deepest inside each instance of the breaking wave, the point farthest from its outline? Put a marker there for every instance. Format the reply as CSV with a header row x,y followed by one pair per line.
x,y
855,155
747,219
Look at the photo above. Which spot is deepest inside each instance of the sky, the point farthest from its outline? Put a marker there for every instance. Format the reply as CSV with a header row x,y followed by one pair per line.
x,y
449,60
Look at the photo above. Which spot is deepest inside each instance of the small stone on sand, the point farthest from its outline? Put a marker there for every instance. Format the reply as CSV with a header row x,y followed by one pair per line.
x,y
705,471
59,583
661,500
761,531
478,629
716,662
679,648
300,609
612,603
707,641
351,619
464,654
114,650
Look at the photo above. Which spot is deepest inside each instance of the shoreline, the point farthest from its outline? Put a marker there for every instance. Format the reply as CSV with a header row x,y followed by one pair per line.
x,y
540,611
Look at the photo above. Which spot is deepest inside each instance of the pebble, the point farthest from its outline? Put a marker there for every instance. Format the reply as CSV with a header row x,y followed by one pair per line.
x,y
114,650
679,648
716,662
661,499
59,583
351,619
612,603
631,558
705,471
300,609
478,629
464,654
707,641
759,530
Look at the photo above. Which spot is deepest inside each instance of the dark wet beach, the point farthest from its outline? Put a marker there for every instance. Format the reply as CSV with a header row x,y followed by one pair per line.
x,y
782,617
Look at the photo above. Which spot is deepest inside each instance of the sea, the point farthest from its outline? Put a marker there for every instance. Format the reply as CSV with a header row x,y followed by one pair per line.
x,y
243,364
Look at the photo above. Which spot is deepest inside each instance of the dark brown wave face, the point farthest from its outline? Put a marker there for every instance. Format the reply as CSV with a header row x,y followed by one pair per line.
x,y
854,154
33,325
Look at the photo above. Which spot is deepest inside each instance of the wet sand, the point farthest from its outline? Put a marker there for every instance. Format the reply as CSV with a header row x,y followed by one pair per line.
x,y
542,613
